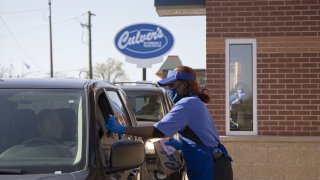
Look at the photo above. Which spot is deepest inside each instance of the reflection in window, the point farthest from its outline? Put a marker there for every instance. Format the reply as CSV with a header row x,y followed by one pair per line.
x,y
117,107
240,86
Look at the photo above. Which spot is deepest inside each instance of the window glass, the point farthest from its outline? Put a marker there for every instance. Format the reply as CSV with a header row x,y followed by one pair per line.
x,y
118,108
147,106
240,89
40,127
241,81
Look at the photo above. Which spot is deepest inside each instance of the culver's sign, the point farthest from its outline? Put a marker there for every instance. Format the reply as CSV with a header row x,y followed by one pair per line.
x,y
144,41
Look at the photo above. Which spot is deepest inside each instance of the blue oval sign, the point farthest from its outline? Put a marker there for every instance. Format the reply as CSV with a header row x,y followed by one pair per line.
x,y
144,41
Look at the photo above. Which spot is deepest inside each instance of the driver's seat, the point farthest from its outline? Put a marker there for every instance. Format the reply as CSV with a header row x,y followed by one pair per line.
x,y
24,126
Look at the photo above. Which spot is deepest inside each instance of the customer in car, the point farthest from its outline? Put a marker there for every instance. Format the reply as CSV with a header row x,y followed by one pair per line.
x,y
190,117
52,129
50,125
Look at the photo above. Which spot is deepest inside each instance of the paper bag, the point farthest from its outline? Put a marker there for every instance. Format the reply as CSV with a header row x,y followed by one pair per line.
x,y
167,163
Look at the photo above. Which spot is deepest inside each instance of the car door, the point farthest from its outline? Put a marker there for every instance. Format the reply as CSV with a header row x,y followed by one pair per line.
x,y
110,102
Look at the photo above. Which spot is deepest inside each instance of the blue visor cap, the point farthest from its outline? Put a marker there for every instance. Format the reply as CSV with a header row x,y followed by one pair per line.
x,y
175,75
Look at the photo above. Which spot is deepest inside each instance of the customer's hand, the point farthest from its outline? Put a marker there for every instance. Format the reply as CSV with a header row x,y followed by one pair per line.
x,y
174,143
114,126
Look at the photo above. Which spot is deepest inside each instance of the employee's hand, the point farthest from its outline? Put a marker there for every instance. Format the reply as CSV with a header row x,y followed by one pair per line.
x,y
174,143
114,126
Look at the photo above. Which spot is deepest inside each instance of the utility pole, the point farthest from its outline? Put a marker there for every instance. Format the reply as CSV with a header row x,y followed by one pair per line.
x,y
144,74
90,46
50,34
10,72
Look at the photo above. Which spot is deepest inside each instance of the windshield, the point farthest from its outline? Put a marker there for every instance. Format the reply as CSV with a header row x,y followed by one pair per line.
x,y
147,106
40,127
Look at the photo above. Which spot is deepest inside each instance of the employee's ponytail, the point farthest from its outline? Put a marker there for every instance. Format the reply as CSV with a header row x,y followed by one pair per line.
x,y
193,85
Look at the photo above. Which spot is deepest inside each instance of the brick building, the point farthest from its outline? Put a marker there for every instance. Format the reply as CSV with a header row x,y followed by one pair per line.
x,y
270,50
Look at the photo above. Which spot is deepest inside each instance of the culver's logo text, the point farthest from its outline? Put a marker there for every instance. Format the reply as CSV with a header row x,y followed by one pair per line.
x,y
144,41
171,163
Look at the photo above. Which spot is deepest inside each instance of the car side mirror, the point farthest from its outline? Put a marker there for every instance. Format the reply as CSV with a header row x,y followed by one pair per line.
x,y
125,155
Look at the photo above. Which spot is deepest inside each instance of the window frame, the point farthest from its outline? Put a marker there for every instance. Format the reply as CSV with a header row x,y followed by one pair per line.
x,y
229,42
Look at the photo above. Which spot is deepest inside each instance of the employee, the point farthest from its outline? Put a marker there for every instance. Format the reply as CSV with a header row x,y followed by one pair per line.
x,y
204,155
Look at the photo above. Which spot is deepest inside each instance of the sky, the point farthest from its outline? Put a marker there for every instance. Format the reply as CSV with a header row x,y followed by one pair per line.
x,y
24,36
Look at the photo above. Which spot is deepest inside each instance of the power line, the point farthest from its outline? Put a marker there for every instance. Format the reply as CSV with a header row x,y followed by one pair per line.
x,y
21,12
43,26
25,30
17,43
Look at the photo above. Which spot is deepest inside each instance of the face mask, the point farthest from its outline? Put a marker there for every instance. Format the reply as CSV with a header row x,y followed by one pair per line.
x,y
241,93
173,95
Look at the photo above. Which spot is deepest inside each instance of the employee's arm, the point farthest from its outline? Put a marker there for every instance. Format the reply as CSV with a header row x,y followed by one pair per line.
x,y
145,132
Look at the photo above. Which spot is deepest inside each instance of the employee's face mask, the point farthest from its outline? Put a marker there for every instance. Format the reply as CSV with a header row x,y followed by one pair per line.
x,y
173,94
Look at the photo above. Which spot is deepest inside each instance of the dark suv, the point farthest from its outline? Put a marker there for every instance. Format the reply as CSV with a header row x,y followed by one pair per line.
x,y
150,104
54,129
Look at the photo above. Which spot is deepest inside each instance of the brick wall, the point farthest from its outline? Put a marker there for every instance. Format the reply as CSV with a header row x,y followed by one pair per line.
x,y
274,158
288,61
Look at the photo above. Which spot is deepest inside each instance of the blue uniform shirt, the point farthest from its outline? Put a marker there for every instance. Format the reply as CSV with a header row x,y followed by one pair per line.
x,y
192,112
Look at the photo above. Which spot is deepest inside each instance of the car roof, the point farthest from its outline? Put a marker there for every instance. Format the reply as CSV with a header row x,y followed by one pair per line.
x,y
139,86
48,83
